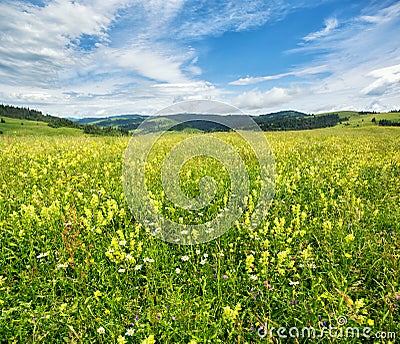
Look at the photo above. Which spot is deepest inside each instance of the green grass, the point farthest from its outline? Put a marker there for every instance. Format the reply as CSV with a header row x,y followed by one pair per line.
x,y
365,120
16,127
70,254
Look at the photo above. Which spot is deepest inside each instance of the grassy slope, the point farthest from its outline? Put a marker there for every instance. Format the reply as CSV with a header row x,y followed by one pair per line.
x,y
13,127
357,120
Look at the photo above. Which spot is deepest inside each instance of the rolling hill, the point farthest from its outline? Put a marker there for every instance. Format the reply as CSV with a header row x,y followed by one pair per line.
x,y
24,121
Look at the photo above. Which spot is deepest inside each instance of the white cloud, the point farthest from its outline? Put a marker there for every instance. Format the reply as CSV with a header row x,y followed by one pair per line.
x,y
36,42
330,24
382,16
142,60
152,64
301,72
41,54
216,17
355,54
387,78
256,99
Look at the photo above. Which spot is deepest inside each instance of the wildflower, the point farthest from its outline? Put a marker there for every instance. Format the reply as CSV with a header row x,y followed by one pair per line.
x,y
249,263
97,293
129,332
138,267
293,302
349,238
231,314
203,261
63,307
60,266
107,311
185,232
178,271
122,242
121,340
225,277
205,255
185,258
370,322
149,340
148,260
121,270
294,283
129,257
254,277
197,251
359,303
173,318
42,255
101,330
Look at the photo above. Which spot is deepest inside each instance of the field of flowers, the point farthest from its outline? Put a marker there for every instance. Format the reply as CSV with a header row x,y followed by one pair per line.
x,y
76,267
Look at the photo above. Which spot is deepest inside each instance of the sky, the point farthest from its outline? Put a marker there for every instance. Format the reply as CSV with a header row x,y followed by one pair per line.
x,y
95,58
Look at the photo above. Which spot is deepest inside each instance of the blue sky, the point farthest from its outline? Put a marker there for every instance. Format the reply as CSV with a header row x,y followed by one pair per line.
x,y
99,58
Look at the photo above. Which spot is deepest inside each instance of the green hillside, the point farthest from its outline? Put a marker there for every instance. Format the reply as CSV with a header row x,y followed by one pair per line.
x,y
360,119
16,116
280,121
18,127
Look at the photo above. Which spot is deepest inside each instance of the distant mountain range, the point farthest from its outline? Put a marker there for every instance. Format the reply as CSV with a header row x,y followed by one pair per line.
x,y
127,121
276,121
209,123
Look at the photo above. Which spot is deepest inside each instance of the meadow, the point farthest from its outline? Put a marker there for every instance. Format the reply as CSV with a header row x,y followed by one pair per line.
x,y
76,267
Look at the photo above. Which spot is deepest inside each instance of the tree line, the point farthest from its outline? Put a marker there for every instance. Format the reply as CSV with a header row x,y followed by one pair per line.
x,y
388,123
302,123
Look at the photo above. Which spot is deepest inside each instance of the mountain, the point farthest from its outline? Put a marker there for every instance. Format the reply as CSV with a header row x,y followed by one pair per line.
x,y
279,115
126,121
132,121
276,121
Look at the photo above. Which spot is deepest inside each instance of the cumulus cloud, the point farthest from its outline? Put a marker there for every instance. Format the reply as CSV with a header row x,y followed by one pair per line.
x,y
256,99
386,78
36,42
